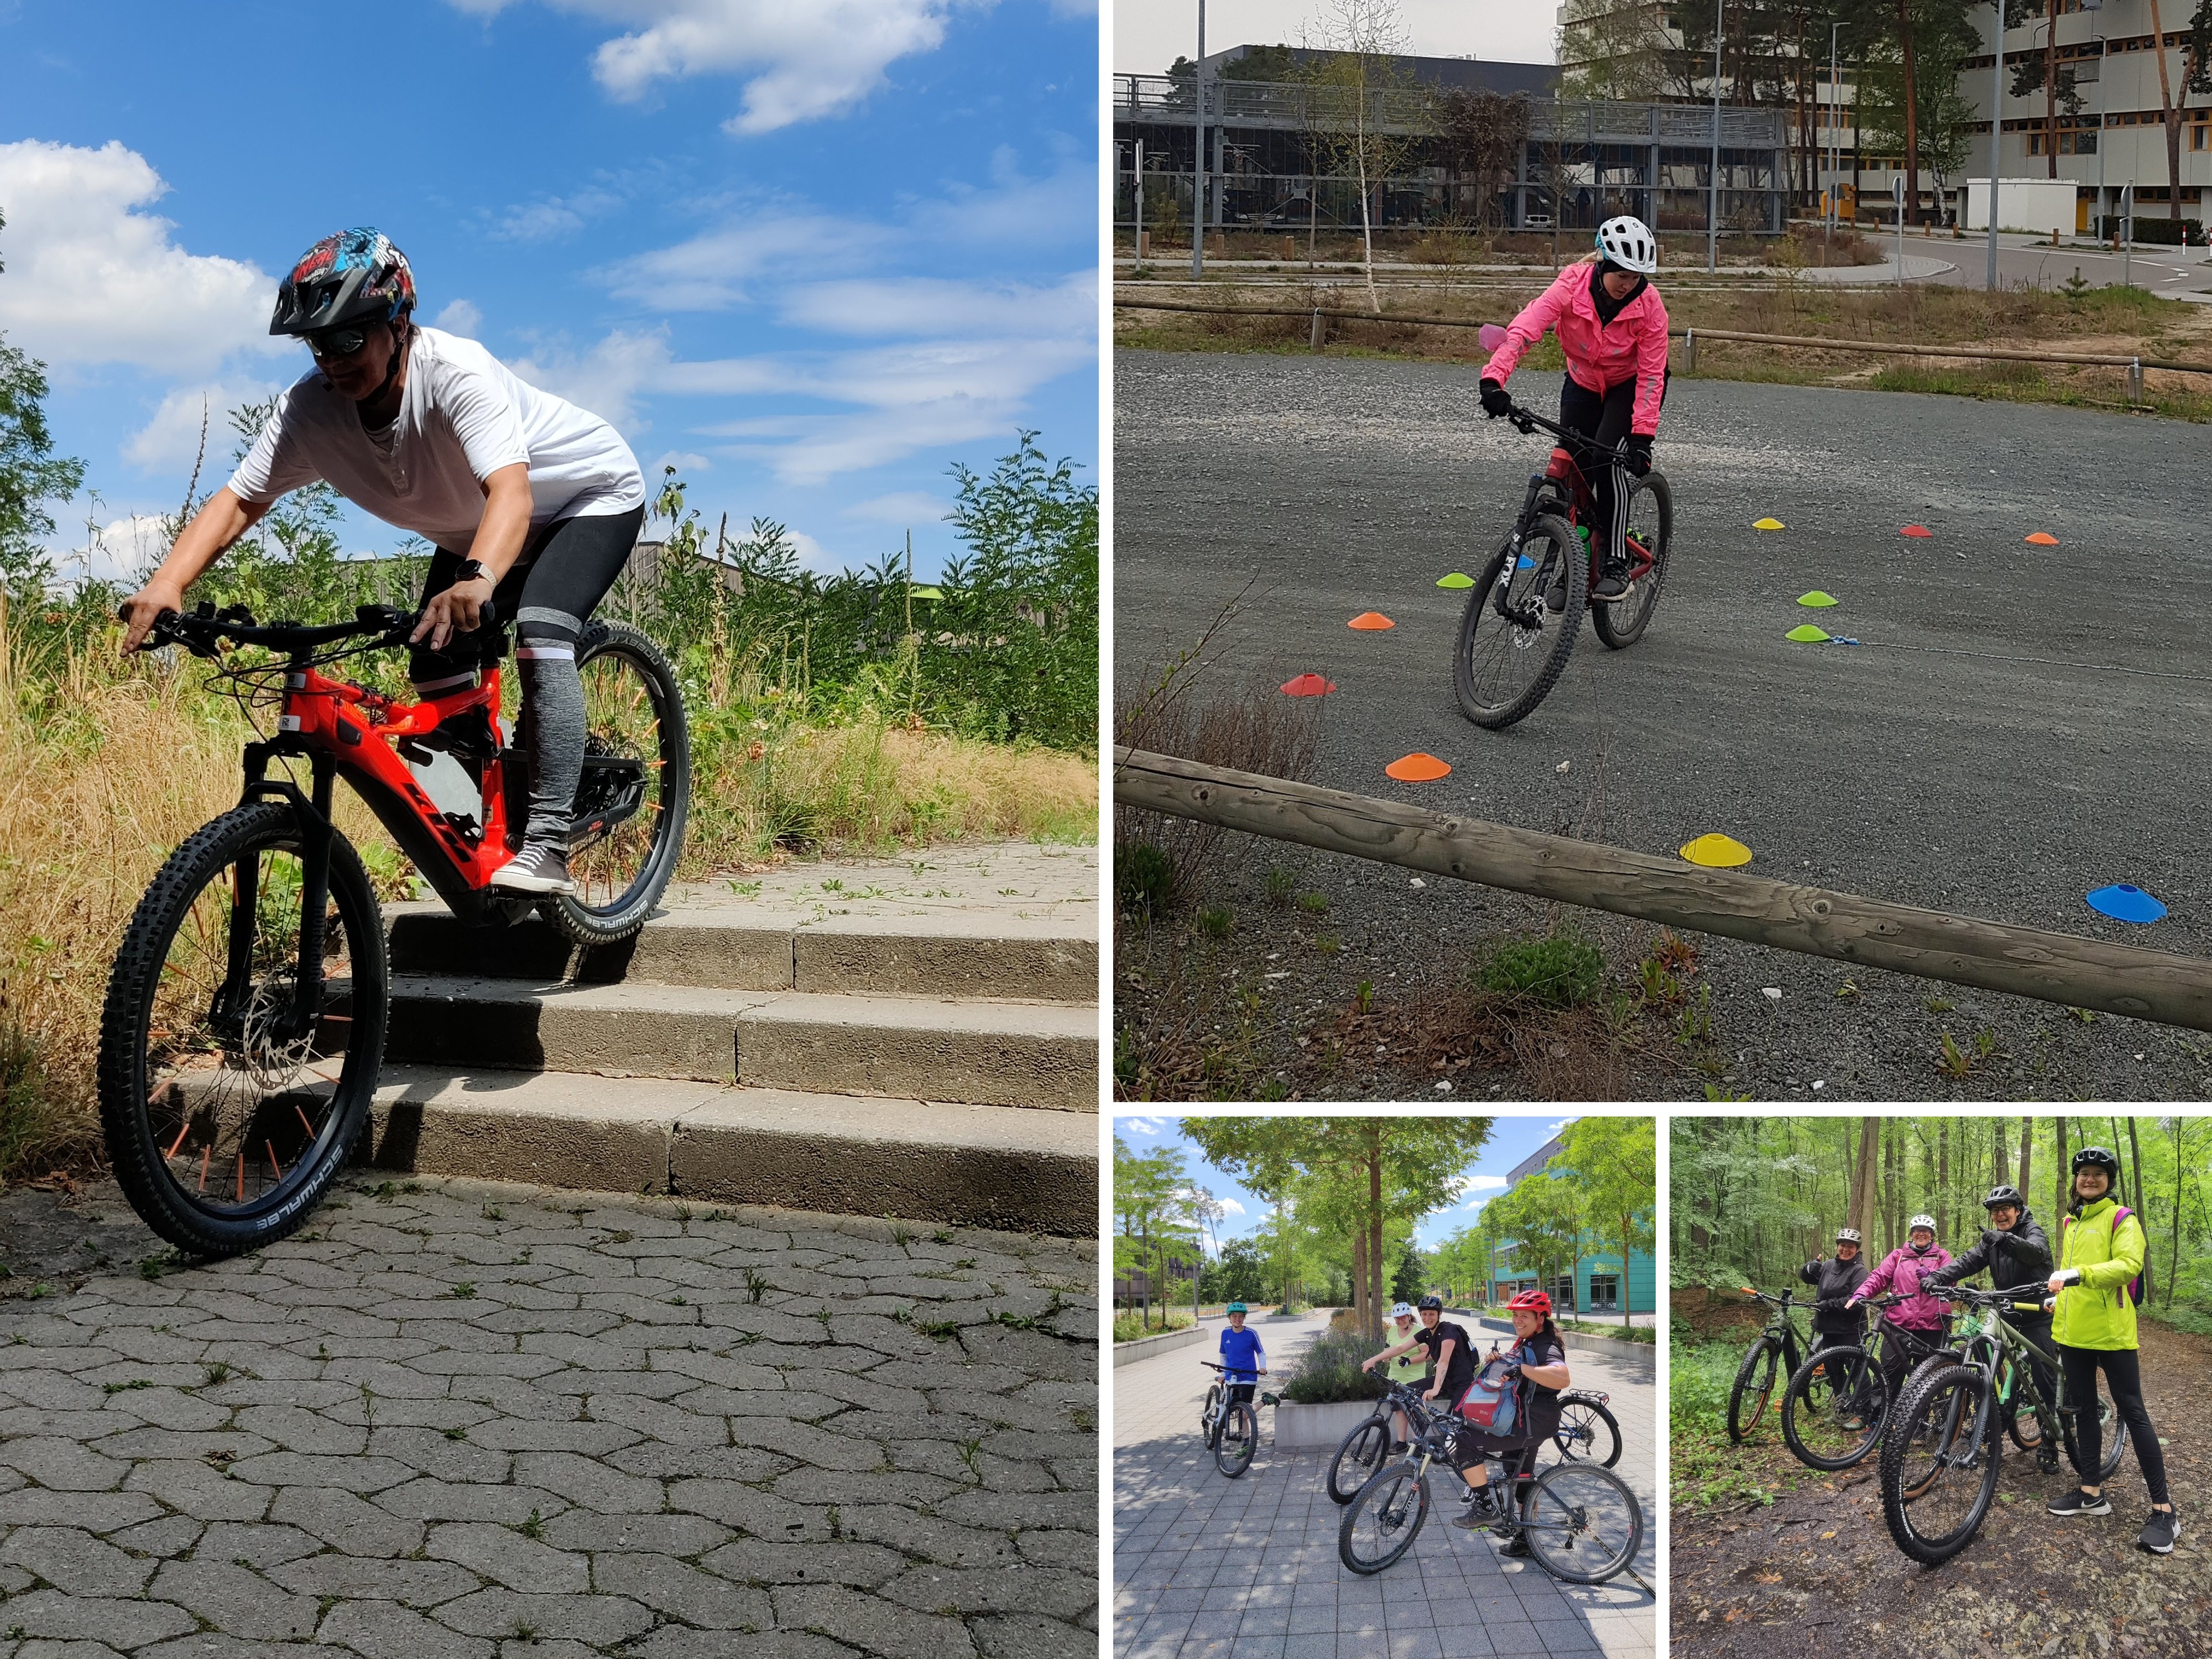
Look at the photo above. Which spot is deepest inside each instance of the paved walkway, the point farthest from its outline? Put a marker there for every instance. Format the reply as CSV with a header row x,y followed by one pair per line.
x,y
455,1420
1210,1568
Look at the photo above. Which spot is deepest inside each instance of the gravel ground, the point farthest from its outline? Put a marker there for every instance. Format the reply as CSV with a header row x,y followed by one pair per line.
x,y
2022,724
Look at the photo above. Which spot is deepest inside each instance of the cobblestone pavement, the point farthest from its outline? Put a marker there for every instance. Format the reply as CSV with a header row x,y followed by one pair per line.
x,y
1210,1568
457,1420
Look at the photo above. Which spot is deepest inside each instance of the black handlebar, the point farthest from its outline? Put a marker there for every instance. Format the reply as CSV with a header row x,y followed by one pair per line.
x,y
1528,421
199,631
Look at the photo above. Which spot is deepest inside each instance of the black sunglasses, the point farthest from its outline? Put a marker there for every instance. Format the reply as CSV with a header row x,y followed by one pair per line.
x,y
332,342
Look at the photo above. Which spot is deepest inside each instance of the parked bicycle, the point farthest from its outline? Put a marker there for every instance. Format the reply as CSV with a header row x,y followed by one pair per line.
x,y
1525,611
1587,1428
1939,1464
1778,1350
1229,1427
1588,1431
1582,1523
1838,1401
245,1019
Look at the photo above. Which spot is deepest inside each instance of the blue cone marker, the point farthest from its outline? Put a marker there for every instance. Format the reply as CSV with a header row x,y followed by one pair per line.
x,y
1524,562
2123,902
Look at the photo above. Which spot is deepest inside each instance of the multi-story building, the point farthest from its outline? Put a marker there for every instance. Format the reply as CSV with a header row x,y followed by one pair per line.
x,y
1595,1282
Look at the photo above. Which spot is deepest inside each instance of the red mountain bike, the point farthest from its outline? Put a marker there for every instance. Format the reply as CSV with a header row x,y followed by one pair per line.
x,y
245,1021
1523,614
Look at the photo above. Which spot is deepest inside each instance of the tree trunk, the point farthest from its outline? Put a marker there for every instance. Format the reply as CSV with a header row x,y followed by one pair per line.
x,y
2050,104
2143,1202
1997,1175
2171,123
1375,1230
2026,1151
1359,1276
1863,1178
2174,1254
1950,1210
1912,113
2059,1177
1366,226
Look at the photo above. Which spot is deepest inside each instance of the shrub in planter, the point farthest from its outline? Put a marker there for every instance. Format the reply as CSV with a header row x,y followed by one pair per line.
x,y
1330,1372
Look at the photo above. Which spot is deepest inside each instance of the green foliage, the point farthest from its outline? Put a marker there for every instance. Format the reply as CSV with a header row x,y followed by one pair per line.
x,y
1128,1326
1411,1276
31,474
1154,1212
1216,920
1144,878
1328,1371
1562,969
1240,1273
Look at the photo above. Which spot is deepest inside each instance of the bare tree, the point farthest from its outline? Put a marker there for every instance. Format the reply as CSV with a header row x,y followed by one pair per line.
x,y
1363,39
1483,134
2196,76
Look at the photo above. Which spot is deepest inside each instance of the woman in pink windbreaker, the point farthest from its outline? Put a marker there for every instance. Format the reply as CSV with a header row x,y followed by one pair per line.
x,y
1917,1322
1613,328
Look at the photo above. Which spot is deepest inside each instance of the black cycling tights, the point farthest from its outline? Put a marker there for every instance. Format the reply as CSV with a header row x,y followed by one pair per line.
x,y
565,570
2123,1377
1605,420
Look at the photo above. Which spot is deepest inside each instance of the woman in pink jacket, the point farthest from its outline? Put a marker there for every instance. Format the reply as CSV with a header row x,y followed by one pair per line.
x,y
1917,1320
1613,328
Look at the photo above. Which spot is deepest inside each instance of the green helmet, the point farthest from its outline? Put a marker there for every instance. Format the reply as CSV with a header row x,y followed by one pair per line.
x,y
1237,1307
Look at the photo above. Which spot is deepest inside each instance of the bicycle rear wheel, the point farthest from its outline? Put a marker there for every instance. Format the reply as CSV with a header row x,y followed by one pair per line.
x,y
1939,1464
2112,1440
1385,1518
1588,1432
1754,1387
1239,1437
1651,524
1504,665
1358,1458
635,793
226,1124
1834,1390
1581,1522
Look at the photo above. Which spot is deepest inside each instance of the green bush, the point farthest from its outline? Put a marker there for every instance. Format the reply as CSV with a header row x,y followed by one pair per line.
x,y
1562,969
1698,1382
1130,1325
1143,878
1329,1372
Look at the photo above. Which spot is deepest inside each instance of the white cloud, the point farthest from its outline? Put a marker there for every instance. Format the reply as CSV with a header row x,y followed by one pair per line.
x,y
905,507
1015,210
92,279
710,271
555,217
683,460
805,61
929,306
119,551
1146,1126
1230,1206
463,317
171,440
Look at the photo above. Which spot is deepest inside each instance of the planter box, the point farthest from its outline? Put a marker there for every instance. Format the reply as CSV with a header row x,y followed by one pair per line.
x,y
1318,1428
1127,1353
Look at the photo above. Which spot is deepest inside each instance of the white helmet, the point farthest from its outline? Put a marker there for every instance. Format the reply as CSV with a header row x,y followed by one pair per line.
x,y
1629,243
1401,1310
1920,1221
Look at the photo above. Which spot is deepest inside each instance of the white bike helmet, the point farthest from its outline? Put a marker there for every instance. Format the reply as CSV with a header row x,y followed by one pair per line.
x,y
1918,1221
1629,243
1401,1310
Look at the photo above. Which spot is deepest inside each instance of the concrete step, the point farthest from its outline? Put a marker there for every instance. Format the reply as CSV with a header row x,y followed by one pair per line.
x,y
995,1054
979,1166
985,953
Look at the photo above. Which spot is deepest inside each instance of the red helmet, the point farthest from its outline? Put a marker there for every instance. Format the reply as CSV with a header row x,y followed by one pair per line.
x,y
1530,1302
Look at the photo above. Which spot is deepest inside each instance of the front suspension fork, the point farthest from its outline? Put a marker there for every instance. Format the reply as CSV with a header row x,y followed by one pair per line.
x,y
312,813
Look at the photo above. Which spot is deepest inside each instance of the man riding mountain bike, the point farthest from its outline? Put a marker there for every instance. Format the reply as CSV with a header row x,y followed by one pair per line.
x,y
532,505
1612,327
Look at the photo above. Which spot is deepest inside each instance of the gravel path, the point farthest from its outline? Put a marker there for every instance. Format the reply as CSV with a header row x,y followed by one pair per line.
x,y
2022,724
457,1420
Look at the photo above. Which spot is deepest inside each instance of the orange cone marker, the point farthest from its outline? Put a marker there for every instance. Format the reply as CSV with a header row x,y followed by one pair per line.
x,y
1916,530
1368,620
2043,538
1308,685
1418,768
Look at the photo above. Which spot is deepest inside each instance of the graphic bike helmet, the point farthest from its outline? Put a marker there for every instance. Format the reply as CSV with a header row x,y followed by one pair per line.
x,y
1848,1235
2000,1196
353,277
1629,243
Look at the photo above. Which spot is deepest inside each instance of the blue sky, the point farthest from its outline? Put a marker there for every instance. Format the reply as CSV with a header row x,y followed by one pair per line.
x,y
1512,1139
815,254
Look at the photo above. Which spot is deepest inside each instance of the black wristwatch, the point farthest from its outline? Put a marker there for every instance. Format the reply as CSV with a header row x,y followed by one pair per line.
x,y
469,570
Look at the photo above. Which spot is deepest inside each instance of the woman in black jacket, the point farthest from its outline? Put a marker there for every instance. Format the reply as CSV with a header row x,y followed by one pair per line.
x,y
2015,1251
1833,1281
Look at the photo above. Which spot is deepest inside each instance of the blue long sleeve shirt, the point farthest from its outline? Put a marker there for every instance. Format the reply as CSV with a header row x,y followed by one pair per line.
x,y
1240,1351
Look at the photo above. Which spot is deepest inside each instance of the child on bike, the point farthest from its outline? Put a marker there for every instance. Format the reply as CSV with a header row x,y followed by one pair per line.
x,y
2101,1251
1916,1324
1539,1368
1242,1353
1612,327
532,504
1834,1324
2014,1252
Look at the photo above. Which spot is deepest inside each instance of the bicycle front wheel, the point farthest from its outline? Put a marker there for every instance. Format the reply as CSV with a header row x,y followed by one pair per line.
x,y
635,793
225,1113
1239,1437
1358,1458
1506,661
1754,1387
1650,526
1833,1408
2113,1441
1939,1464
1581,1522
1587,1432
1206,1417
1385,1518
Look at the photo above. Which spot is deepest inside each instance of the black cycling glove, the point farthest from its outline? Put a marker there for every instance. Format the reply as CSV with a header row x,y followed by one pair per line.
x,y
1495,402
1638,457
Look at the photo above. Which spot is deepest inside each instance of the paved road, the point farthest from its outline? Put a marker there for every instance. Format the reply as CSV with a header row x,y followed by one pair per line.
x,y
1209,1568
2022,726
2169,272
462,1420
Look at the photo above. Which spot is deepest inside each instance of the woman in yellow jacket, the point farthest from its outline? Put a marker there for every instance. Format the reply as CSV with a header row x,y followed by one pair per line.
x,y
2100,1252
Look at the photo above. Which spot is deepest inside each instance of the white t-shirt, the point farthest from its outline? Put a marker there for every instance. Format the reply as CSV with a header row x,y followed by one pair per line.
x,y
463,416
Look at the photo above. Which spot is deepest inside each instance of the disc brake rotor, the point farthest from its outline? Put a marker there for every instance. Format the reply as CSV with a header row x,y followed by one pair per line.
x,y
272,1062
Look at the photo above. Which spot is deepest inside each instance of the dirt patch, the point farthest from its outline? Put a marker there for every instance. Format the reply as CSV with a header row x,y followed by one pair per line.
x,y
1814,1560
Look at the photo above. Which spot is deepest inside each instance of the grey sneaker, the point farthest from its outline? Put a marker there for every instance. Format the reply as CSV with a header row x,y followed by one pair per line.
x,y
535,869
2157,1537
2081,1502
1612,582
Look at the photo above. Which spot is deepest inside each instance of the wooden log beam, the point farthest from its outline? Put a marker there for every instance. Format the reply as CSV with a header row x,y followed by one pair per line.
x,y
2154,985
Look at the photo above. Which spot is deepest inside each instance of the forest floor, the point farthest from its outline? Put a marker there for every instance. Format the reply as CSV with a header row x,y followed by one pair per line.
x,y
1766,1551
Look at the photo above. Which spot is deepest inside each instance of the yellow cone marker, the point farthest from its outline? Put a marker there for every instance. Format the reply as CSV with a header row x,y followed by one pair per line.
x,y
1816,598
1457,579
1769,524
1717,852
1806,634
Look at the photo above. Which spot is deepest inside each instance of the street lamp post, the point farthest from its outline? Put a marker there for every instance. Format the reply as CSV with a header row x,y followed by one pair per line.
x,y
1835,130
1713,199
1197,156
1997,139
2099,5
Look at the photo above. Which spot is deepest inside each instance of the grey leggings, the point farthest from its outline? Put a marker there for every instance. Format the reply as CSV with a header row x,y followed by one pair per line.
x,y
565,570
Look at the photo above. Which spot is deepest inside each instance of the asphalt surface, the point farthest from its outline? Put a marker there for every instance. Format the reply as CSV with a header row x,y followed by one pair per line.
x,y
2171,273
2020,726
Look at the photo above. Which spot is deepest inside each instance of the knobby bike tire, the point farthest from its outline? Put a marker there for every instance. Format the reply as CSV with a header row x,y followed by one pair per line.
x,y
2019,1414
1362,1451
1754,1383
1206,1417
1897,1447
1577,1492
626,912
2114,1432
125,1098
1238,1437
1477,619
1621,624
1587,1422
1796,1396
1400,1487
